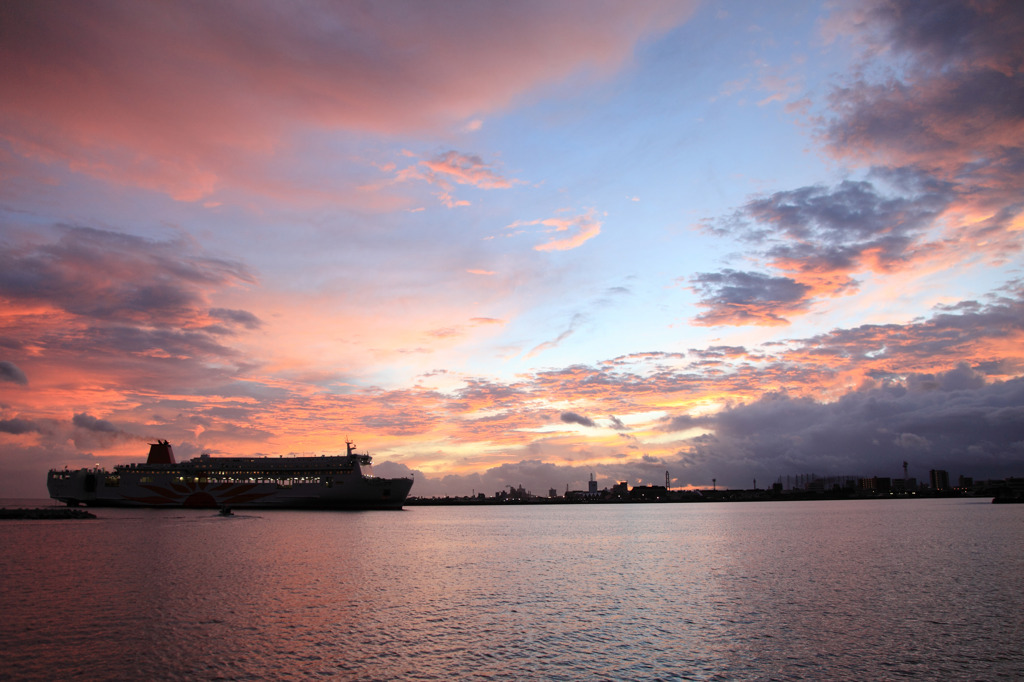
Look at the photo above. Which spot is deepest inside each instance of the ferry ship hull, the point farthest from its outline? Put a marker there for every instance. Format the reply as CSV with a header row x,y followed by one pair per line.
x,y
336,482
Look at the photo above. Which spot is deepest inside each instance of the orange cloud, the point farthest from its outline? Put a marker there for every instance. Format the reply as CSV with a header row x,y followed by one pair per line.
x,y
664,398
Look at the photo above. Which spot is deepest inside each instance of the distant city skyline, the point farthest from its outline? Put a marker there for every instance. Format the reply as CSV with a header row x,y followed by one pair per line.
x,y
515,243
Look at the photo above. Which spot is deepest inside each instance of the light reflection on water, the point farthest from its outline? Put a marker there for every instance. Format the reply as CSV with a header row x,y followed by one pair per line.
x,y
799,590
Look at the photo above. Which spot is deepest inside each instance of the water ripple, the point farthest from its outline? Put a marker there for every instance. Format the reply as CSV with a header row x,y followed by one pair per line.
x,y
794,591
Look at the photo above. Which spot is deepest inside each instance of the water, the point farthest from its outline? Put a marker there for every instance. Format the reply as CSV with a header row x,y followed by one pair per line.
x,y
788,591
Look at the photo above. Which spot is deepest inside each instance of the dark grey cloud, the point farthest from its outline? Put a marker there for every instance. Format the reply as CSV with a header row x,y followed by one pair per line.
x,y
10,372
36,444
851,212
90,423
539,477
823,229
944,31
535,476
683,422
179,346
573,418
25,466
109,276
941,39
954,421
734,297
242,318
888,117
961,378
128,307
92,433
955,109
18,426
11,342
964,330
941,137
817,236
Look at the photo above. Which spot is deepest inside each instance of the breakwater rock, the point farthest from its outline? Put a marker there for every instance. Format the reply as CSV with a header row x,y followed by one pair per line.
x,y
52,513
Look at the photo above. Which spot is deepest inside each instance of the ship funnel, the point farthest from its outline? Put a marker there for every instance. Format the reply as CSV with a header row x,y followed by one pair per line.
x,y
160,452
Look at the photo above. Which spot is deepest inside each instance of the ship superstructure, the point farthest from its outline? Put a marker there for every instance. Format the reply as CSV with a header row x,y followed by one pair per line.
x,y
318,482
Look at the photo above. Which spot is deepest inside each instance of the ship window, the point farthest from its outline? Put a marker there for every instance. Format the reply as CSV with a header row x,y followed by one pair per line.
x,y
112,481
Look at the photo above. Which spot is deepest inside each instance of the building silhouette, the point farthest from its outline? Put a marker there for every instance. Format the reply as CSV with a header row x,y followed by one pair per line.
x,y
939,480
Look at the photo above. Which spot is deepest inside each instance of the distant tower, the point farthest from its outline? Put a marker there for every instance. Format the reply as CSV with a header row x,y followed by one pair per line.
x,y
714,482
667,481
905,470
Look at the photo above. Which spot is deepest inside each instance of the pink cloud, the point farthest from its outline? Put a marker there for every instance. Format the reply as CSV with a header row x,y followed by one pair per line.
x,y
467,169
581,229
451,202
184,98
450,169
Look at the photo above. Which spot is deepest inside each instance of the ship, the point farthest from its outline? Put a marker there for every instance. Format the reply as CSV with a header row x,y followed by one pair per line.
x,y
205,482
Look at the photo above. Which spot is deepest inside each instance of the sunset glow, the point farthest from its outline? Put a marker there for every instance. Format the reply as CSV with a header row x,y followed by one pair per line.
x,y
515,243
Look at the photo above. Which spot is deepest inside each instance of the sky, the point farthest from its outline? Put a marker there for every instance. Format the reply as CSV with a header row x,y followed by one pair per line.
x,y
515,243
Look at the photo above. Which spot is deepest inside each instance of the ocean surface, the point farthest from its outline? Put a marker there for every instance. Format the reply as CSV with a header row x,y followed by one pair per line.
x,y
840,590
